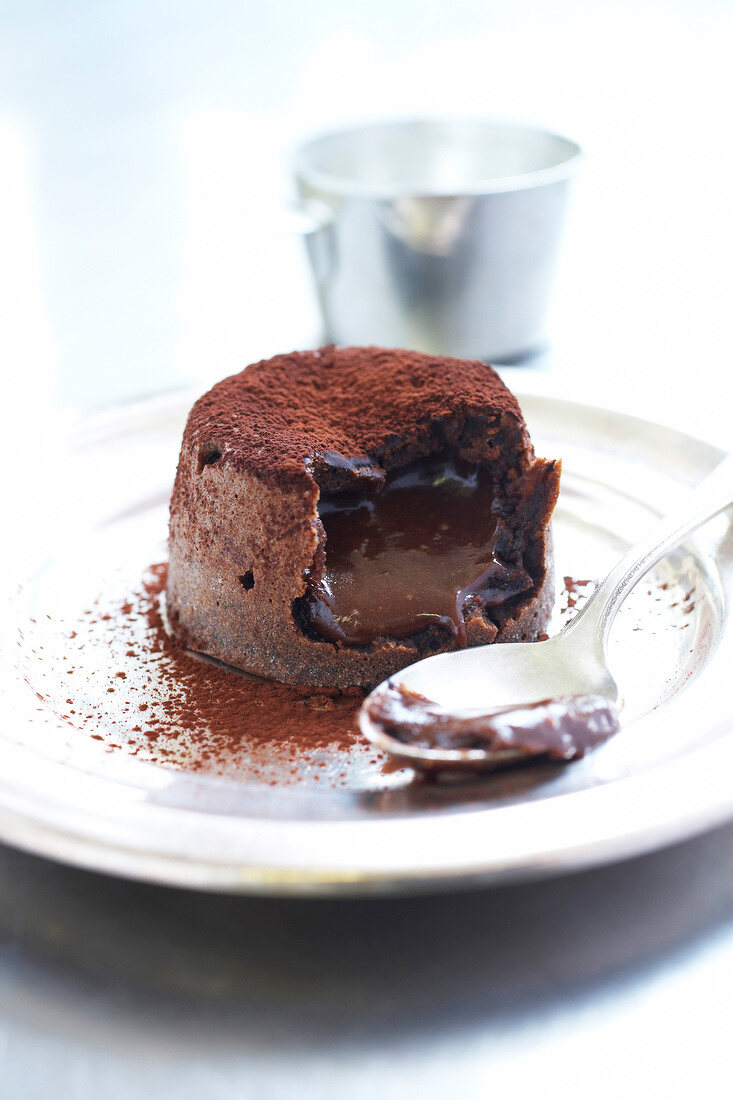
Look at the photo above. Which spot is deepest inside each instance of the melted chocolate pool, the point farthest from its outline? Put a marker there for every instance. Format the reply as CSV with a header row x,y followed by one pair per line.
x,y
410,555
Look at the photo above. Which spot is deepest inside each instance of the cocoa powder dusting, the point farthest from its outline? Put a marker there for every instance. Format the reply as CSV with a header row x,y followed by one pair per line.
x,y
232,707
169,707
275,414
136,691
142,693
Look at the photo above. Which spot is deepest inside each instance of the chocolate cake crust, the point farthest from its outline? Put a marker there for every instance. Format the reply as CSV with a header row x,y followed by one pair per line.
x,y
261,448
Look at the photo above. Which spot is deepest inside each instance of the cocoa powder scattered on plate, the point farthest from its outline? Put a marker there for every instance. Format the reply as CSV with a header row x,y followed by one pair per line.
x,y
168,706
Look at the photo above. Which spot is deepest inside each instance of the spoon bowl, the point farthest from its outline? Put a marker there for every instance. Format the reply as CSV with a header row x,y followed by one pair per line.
x,y
513,673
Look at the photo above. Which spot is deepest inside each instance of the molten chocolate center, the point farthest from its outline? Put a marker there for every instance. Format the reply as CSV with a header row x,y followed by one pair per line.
x,y
409,556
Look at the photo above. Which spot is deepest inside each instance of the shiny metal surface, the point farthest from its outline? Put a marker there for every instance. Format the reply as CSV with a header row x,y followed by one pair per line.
x,y
443,234
663,777
574,662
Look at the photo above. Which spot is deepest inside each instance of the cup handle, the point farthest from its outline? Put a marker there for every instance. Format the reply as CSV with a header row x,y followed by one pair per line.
x,y
304,217
307,218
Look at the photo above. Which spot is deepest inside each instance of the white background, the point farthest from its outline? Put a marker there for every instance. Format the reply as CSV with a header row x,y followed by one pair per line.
x,y
144,149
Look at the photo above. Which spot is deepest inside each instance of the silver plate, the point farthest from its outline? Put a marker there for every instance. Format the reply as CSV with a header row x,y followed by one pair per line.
x,y
66,795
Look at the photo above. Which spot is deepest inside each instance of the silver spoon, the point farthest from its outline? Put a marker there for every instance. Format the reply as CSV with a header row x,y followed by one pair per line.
x,y
506,678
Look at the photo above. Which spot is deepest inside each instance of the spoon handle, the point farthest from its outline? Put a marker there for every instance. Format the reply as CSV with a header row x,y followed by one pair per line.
x,y
711,496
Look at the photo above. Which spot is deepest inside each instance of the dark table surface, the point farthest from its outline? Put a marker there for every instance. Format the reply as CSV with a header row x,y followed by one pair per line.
x,y
607,982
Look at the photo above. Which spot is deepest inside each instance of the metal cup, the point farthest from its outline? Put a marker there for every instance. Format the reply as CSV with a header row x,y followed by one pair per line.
x,y
440,234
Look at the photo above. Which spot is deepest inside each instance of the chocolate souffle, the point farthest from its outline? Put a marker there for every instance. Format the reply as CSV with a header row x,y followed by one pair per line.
x,y
338,514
